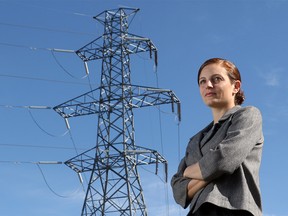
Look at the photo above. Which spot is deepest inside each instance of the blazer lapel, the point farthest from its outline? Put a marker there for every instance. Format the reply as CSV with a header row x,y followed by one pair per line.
x,y
207,133
211,129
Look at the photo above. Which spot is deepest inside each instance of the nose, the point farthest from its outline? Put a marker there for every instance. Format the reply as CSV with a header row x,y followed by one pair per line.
x,y
209,84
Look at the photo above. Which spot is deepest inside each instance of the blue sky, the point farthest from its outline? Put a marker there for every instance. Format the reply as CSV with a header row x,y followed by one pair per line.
x,y
251,33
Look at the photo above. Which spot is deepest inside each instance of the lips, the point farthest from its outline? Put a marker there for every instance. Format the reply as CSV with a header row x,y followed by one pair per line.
x,y
208,94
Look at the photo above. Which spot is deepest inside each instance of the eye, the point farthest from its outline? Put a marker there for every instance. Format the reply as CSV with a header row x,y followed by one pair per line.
x,y
202,82
216,79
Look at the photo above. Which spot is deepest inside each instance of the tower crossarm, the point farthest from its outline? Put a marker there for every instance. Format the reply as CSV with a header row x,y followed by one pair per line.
x,y
137,44
92,50
136,97
129,43
114,13
85,161
84,104
145,156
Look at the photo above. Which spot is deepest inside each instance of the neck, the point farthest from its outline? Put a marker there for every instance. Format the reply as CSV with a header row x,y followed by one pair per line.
x,y
219,112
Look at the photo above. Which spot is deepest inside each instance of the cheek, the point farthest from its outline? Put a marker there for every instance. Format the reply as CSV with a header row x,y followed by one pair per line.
x,y
201,91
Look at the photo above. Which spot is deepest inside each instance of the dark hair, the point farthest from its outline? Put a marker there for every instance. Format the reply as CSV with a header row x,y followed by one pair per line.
x,y
232,71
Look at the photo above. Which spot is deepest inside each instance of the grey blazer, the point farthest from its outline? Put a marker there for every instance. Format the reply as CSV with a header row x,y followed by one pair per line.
x,y
229,156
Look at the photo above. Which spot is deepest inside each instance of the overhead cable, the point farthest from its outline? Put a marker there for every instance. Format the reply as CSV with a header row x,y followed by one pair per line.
x,y
41,79
38,146
45,131
33,118
38,163
50,188
37,48
44,29
32,162
61,66
52,50
26,107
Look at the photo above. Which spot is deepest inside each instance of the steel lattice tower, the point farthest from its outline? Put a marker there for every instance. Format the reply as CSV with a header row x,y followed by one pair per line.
x,y
114,187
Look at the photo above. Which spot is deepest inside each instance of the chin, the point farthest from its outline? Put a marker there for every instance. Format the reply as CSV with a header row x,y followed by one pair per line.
x,y
213,104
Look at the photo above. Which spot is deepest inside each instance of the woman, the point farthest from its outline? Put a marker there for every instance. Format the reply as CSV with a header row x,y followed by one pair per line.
x,y
219,174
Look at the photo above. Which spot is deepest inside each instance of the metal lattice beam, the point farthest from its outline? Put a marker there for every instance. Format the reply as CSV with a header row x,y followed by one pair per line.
x,y
140,96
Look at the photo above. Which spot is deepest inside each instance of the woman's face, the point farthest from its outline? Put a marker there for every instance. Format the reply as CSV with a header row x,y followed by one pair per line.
x,y
216,89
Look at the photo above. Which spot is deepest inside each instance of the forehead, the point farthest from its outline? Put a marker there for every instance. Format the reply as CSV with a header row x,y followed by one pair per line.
x,y
213,69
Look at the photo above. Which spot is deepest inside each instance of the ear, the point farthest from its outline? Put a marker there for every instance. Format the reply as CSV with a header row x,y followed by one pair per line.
x,y
237,86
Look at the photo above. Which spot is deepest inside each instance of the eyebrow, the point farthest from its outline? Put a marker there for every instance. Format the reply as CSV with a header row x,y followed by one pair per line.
x,y
217,74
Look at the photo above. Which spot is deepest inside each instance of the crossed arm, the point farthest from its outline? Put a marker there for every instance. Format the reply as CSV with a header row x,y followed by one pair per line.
x,y
186,183
196,183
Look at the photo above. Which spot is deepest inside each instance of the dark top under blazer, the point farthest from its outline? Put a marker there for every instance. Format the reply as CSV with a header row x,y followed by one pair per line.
x,y
229,155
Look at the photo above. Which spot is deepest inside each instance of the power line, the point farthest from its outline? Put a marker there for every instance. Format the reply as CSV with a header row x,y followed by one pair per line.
x,y
53,50
38,163
65,70
32,162
38,125
55,10
36,48
41,79
48,185
44,29
38,146
26,107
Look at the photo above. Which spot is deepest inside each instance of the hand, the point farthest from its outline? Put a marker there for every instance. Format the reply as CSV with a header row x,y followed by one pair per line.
x,y
193,171
194,186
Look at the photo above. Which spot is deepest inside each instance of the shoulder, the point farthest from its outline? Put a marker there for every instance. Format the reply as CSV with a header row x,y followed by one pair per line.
x,y
241,112
248,111
248,116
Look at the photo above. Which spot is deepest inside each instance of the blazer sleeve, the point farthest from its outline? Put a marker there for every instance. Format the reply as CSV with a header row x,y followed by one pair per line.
x,y
244,133
179,186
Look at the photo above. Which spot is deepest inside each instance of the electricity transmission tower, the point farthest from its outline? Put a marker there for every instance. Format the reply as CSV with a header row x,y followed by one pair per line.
x,y
114,187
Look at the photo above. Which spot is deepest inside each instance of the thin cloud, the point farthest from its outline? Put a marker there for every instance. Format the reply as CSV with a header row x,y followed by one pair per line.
x,y
273,77
272,80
